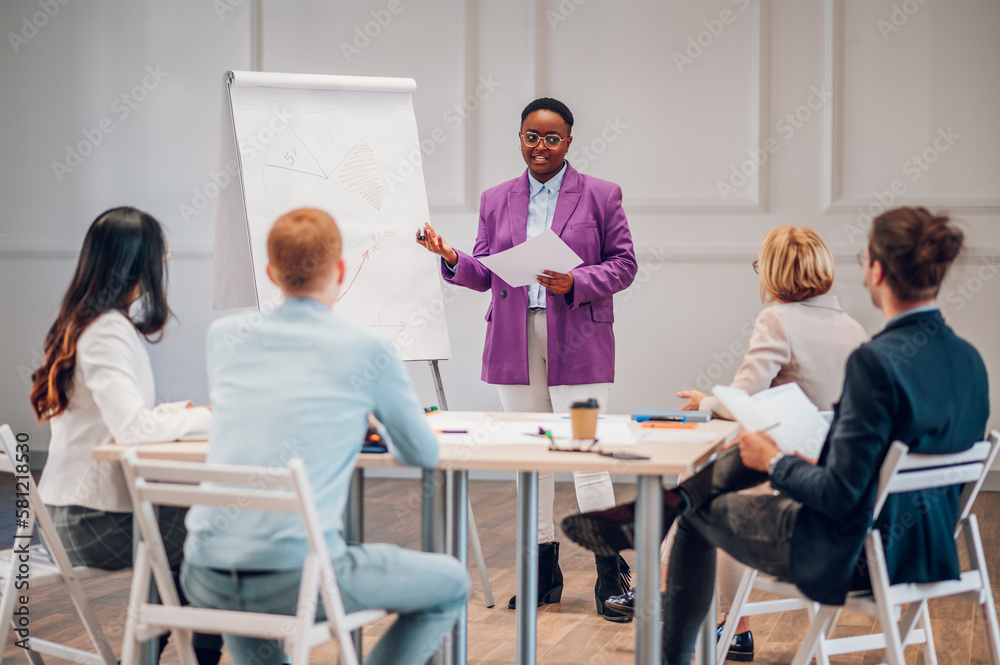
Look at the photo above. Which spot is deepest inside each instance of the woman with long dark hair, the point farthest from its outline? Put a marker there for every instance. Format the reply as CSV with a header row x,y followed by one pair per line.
x,y
96,387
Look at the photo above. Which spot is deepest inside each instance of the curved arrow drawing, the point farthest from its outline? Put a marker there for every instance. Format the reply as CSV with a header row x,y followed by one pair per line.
x,y
364,257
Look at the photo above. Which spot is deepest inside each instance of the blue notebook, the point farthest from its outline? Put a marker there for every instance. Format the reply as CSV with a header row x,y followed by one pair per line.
x,y
679,416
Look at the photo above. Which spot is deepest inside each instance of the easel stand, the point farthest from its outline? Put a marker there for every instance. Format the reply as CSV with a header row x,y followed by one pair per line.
x,y
477,548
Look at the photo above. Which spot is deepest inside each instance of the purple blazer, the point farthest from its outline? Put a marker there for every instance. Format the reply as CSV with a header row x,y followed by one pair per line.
x,y
589,218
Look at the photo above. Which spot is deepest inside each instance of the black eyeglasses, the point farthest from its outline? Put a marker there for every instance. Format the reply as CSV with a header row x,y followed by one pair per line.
x,y
531,139
756,266
579,446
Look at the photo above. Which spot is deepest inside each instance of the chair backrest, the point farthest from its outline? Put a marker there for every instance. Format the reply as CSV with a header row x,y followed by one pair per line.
x,y
14,460
903,471
234,487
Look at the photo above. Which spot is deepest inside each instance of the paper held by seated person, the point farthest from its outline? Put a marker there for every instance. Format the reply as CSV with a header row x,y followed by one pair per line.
x,y
798,426
521,264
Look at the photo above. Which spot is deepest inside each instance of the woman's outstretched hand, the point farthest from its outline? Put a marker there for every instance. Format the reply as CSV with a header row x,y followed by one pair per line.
x,y
693,398
429,238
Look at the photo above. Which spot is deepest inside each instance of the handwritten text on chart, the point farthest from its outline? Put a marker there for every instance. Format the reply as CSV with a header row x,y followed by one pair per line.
x,y
382,237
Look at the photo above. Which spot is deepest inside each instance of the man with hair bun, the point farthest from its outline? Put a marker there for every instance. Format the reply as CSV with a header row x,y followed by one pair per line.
x,y
915,381
298,386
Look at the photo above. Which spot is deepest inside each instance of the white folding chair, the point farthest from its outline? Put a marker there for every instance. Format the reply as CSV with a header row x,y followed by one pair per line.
x,y
741,607
901,472
186,484
42,566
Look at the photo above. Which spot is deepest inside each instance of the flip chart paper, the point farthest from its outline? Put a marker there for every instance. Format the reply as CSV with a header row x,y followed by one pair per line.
x,y
336,143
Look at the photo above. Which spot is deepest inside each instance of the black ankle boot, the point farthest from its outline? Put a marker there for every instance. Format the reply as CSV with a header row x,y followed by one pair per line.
x,y
550,577
613,578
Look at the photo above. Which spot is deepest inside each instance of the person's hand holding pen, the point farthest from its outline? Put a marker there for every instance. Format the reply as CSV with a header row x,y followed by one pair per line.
x,y
429,238
558,283
757,448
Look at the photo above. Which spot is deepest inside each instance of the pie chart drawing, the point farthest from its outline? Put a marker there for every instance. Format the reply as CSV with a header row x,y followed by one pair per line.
x,y
318,161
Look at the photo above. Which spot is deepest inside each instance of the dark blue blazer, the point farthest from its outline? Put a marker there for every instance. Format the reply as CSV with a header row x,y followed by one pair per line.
x,y
914,382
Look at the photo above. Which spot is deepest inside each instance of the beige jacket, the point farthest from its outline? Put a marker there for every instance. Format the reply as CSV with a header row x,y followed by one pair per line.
x,y
806,342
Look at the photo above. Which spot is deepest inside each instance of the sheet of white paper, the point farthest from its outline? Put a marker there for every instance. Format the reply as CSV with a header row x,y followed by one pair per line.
x,y
743,408
660,435
519,265
801,429
479,430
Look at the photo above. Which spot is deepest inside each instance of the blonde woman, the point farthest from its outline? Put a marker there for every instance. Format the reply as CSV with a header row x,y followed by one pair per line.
x,y
803,336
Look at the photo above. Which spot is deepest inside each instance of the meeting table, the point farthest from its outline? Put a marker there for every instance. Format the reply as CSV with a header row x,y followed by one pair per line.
x,y
489,441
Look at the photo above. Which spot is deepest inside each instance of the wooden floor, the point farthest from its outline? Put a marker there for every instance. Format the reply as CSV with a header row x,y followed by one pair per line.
x,y
570,632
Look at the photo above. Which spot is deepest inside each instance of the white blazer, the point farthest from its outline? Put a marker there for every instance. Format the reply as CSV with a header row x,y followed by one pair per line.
x,y
112,399
807,342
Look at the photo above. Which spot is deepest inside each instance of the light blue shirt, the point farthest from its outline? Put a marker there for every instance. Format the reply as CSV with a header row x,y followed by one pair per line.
x,y
541,209
298,383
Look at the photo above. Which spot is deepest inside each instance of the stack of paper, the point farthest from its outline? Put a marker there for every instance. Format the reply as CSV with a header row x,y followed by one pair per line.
x,y
798,426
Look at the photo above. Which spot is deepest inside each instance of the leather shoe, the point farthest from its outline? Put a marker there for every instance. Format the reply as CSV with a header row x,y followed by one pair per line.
x,y
741,648
613,577
625,603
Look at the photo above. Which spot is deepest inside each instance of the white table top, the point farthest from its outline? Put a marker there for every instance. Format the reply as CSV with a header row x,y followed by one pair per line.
x,y
497,441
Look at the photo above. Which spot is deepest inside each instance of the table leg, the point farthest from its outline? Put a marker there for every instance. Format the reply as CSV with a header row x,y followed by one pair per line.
x,y
459,532
527,567
648,534
477,552
434,507
354,527
704,653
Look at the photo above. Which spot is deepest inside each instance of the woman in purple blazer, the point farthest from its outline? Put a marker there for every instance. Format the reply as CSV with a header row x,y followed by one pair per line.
x,y
551,343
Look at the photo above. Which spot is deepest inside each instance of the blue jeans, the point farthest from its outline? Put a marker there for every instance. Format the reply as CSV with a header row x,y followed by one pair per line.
x,y
427,591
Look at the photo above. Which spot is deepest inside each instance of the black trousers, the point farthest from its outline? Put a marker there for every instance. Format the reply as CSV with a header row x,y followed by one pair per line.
x,y
755,529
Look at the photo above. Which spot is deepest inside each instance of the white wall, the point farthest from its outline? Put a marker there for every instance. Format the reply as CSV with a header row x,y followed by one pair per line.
x,y
885,79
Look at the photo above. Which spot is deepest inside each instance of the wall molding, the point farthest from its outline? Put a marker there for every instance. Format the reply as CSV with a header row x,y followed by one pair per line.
x,y
538,77
834,200
644,252
34,251
467,16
